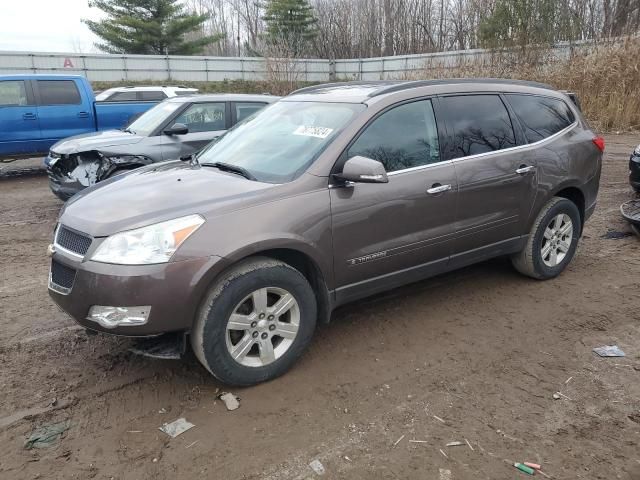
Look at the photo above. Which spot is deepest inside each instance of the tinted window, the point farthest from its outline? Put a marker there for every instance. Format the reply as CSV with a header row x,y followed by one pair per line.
x,y
244,110
152,96
540,117
123,97
477,124
58,92
13,92
403,137
204,117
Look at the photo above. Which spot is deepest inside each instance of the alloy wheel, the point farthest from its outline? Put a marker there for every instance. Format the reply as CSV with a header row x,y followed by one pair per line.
x,y
557,240
262,327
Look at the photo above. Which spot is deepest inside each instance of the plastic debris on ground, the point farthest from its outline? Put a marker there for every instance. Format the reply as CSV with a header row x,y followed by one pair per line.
x,y
46,435
609,351
317,467
177,427
165,347
230,400
524,468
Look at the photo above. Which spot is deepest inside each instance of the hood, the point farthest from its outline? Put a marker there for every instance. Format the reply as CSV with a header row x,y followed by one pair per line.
x,y
159,192
95,141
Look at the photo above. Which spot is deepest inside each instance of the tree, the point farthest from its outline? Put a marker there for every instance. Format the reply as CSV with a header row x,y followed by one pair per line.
x,y
290,24
519,23
148,27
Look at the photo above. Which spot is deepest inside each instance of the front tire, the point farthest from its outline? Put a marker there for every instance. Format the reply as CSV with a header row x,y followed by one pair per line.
x,y
255,322
552,242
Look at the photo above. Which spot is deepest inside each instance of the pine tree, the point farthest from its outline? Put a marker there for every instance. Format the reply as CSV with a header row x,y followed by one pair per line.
x,y
290,23
148,27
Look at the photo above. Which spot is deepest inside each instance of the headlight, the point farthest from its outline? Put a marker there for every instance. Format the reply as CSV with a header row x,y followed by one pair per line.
x,y
147,245
637,151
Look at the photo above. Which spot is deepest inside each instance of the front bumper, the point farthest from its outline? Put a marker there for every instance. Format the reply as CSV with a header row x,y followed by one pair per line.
x,y
173,290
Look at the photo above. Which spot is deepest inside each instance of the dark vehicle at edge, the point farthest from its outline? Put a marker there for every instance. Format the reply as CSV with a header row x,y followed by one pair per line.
x,y
174,128
335,193
634,169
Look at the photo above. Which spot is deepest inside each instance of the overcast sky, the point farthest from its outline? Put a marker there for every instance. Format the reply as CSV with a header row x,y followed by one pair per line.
x,y
46,25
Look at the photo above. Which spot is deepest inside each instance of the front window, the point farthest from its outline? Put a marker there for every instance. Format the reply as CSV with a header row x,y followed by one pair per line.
x,y
403,137
280,142
204,117
150,120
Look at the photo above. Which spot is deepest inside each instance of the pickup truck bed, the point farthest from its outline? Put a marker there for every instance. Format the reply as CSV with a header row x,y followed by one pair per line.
x,y
37,111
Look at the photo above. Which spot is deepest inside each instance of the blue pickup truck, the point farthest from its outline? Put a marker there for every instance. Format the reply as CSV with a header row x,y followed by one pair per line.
x,y
36,111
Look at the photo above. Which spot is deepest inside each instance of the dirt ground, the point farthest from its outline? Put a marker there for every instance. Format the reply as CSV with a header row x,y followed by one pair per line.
x,y
475,355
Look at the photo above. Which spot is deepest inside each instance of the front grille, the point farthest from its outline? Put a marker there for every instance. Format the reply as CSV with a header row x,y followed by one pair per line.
x,y
73,241
62,277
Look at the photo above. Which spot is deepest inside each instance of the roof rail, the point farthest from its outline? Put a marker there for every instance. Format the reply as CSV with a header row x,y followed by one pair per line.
x,y
397,87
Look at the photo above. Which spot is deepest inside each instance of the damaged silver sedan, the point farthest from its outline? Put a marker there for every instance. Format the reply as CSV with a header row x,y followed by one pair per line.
x,y
172,129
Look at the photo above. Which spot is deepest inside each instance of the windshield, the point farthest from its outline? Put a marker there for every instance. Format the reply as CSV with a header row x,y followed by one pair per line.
x,y
278,143
146,123
103,95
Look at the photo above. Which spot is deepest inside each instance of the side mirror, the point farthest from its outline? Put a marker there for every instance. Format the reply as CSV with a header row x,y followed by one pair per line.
x,y
177,129
362,170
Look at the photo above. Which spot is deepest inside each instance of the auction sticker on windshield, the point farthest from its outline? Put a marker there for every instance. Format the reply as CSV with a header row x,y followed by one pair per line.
x,y
318,132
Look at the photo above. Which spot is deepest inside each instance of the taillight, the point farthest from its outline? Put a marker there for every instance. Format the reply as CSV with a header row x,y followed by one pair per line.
x,y
599,142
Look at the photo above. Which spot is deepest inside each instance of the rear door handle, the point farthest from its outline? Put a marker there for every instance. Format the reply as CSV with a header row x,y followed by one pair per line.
x,y
437,188
83,114
29,116
525,169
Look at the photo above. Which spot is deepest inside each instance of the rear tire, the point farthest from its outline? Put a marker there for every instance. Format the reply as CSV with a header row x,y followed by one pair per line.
x,y
552,242
255,322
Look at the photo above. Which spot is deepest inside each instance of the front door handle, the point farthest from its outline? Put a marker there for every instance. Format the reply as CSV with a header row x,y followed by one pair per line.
x,y
83,114
437,188
29,116
524,169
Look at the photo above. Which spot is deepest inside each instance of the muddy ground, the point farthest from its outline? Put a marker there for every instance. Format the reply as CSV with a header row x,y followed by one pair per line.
x,y
475,355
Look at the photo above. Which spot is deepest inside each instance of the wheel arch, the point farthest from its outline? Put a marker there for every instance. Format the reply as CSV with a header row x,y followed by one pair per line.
x,y
297,256
575,195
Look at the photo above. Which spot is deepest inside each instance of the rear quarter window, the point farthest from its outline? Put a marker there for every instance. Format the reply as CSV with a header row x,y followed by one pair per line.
x,y
539,116
58,92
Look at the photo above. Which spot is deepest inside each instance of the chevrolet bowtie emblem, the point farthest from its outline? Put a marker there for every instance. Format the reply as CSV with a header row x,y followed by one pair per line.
x,y
51,249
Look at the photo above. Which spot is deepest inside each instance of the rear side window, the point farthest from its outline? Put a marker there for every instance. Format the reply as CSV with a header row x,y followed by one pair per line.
x,y
58,92
403,137
13,93
540,117
204,117
244,110
123,97
477,124
152,96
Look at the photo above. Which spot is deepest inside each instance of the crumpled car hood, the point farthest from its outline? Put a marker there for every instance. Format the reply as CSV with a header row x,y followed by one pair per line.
x,y
95,141
155,193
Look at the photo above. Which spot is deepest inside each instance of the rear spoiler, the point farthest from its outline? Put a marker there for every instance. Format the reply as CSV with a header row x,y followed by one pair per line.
x,y
574,98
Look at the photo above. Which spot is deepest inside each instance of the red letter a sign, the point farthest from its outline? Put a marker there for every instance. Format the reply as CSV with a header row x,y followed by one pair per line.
x,y
68,63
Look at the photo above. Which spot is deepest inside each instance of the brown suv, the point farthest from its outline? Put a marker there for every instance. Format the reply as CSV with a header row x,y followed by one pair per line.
x,y
334,193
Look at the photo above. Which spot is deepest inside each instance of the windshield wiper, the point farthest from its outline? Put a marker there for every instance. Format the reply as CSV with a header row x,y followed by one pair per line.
x,y
128,130
226,167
